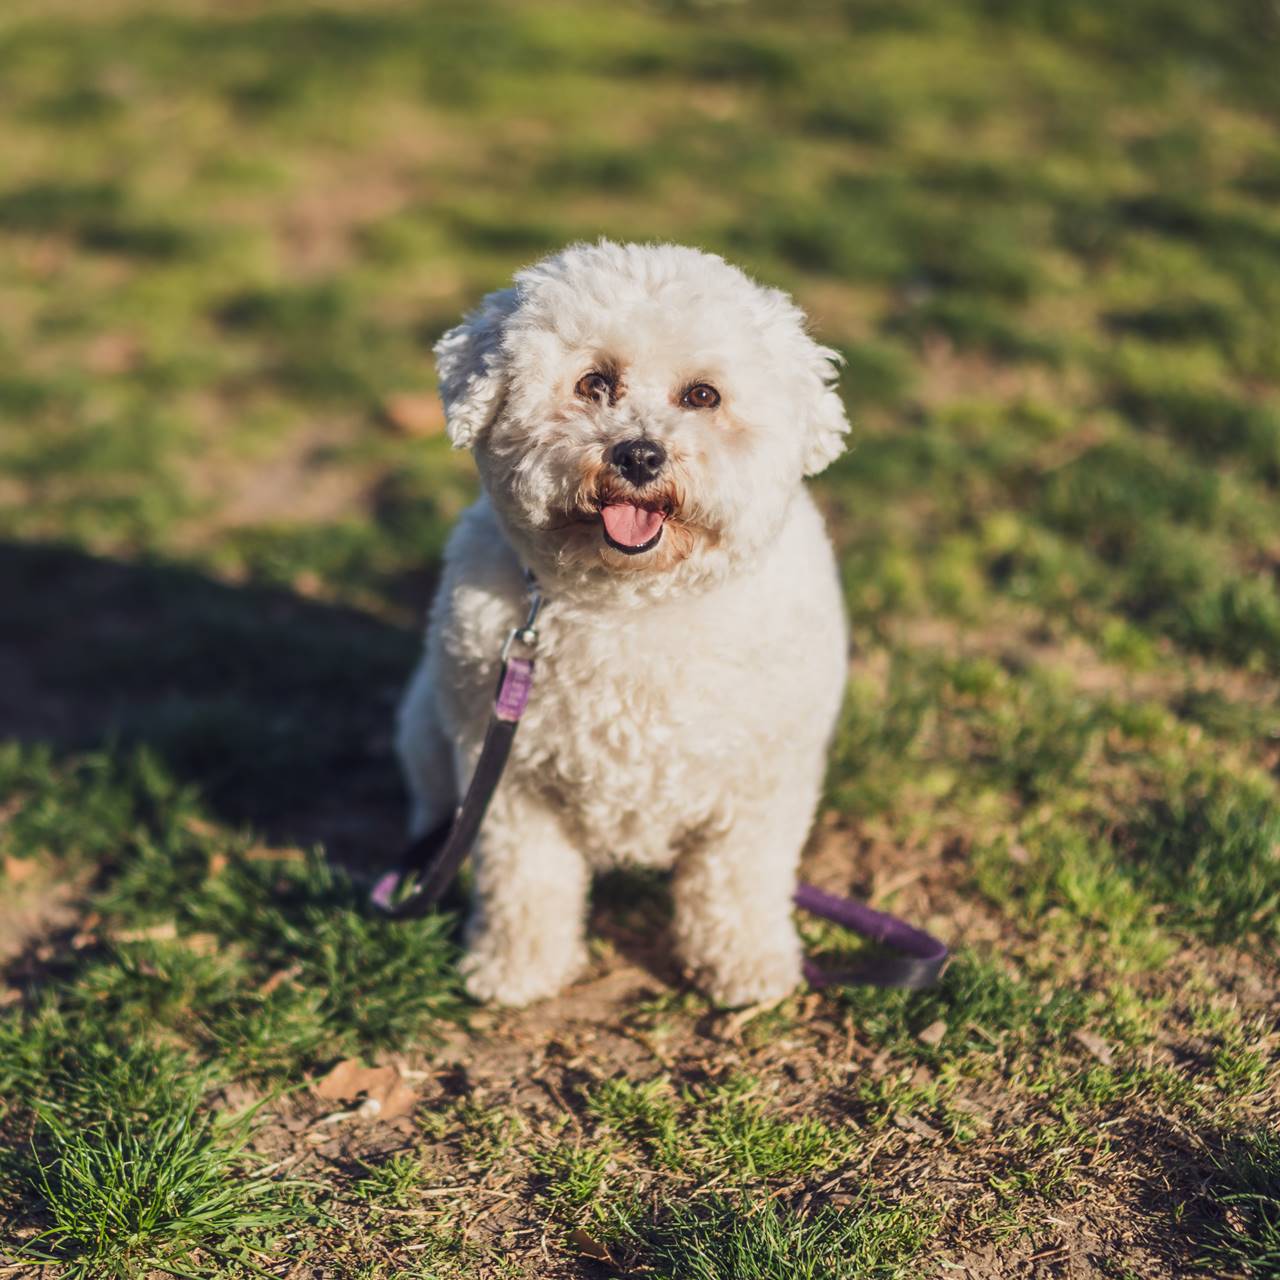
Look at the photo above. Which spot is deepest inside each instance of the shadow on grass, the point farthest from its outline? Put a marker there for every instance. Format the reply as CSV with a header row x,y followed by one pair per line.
x,y
277,707
1213,1201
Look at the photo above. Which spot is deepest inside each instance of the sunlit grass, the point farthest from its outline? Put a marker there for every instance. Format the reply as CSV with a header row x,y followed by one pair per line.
x,y
1045,240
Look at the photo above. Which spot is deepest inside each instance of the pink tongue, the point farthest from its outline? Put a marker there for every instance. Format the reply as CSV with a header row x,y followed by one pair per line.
x,y
630,525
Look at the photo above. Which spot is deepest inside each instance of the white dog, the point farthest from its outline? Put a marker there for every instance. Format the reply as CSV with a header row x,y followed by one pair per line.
x,y
642,417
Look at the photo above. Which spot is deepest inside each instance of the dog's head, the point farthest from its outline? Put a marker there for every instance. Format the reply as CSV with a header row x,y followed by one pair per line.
x,y
639,410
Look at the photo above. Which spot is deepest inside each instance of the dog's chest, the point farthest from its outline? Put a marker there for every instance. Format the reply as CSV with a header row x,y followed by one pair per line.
x,y
627,736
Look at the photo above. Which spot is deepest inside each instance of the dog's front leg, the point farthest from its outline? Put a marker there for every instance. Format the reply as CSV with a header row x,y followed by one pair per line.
x,y
525,935
733,905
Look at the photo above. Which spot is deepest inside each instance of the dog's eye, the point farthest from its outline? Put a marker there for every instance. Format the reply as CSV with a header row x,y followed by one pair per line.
x,y
593,386
701,395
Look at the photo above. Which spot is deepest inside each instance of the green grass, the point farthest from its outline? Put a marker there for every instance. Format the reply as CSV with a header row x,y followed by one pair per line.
x,y
124,1170
391,1183
1244,1188
983,1009
720,1238
715,1127
1045,239
264,958
147,1195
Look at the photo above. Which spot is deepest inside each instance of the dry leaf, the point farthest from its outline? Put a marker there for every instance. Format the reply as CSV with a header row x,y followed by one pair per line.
x,y
348,1079
589,1246
17,870
203,944
278,978
415,413
265,853
913,1124
318,1136
199,826
1095,1045
933,1033
400,1101
352,1081
165,931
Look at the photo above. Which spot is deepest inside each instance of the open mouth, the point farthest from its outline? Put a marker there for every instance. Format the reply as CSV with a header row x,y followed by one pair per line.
x,y
632,527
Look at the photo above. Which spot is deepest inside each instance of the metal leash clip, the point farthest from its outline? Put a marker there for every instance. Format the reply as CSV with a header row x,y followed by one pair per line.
x,y
526,635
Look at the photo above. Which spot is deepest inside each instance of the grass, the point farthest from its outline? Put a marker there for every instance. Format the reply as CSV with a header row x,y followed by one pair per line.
x,y
1045,240
726,1238
980,1006
125,1168
119,1196
718,1126
1245,1189
262,956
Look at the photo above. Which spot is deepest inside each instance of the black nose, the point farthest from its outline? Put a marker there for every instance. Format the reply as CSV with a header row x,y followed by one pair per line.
x,y
639,460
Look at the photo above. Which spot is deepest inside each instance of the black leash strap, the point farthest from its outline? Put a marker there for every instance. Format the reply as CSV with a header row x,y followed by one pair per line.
x,y
430,863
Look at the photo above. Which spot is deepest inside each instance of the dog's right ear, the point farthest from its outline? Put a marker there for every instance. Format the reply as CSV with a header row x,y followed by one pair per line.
x,y
472,368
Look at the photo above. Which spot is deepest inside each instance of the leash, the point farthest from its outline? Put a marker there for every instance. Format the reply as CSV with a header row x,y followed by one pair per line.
x,y
430,863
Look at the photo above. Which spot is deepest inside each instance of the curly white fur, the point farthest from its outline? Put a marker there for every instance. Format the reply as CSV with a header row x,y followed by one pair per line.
x,y
684,696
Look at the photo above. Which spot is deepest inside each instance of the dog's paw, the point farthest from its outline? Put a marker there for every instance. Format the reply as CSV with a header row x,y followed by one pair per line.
x,y
495,976
761,978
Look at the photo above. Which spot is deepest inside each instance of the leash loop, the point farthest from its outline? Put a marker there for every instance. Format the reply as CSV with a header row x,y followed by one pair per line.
x,y
921,956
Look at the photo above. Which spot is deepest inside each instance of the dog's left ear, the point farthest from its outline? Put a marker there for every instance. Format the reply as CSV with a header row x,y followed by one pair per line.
x,y
472,369
826,422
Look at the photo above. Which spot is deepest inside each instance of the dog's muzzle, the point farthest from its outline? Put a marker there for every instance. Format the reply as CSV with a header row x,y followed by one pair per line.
x,y
633,525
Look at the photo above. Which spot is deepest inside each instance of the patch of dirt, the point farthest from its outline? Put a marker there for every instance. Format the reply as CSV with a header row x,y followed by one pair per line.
x,y
1018,640
293,481
33,905
535,1065
316,226
948,375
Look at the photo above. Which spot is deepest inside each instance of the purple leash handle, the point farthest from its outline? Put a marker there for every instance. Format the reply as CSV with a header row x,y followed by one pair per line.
x,y
918,965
